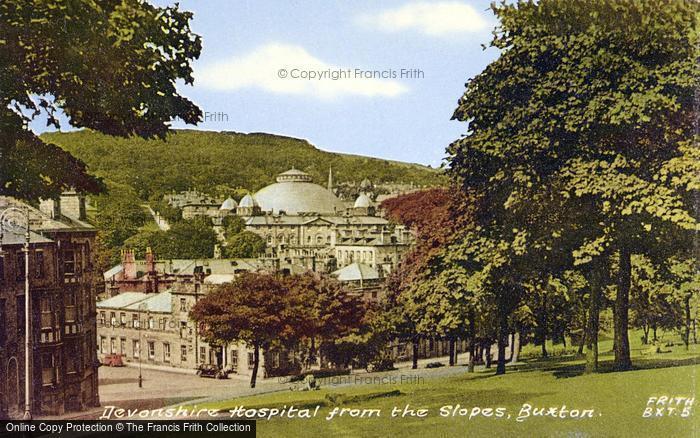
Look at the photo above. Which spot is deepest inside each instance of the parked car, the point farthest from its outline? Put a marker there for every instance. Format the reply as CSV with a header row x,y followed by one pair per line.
x,y
113,360
213,371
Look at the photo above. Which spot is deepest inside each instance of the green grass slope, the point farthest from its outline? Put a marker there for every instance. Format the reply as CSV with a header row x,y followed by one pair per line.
x,y
206,159
618,401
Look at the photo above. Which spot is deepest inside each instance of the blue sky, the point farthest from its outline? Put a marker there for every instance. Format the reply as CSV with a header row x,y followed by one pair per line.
x,y
246,43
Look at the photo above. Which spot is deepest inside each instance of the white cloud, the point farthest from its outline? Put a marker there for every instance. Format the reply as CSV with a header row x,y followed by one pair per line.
x,y
434,19
261,69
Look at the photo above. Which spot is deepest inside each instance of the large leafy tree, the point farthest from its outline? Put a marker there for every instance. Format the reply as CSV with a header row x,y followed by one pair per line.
x,y
252,309
588,109
108,65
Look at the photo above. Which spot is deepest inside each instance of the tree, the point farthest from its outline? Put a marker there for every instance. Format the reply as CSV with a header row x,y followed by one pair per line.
x,y
325,313
245,244
251,309
589,108
111,66
187,239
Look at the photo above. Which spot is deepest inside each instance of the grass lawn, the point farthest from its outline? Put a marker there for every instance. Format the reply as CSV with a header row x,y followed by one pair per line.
x,y
617,399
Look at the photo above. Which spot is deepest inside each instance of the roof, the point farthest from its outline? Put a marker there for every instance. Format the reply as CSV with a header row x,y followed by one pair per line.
x,y
229,204
362,201
42,222
307,219
122,300
356,272
294,193
248,201
219,278
161,302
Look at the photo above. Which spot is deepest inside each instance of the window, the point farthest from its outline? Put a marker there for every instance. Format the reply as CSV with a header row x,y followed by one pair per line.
x,y
135,320
103,345
69,262
122,319
122,346
183,353
73,358
70,307
151,350
202,354
2,322
251,361
46,314
166,352
39,264
112,319
234,359
19,266
103,318
113,345
136,348
151,322
183,305
48,369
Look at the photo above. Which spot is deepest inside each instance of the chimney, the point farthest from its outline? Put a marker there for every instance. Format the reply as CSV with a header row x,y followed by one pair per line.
x,y
51,207
72,205
129,264
150,261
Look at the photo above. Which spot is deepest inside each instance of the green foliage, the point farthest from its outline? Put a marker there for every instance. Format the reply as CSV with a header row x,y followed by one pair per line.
x,y
111,66
187,239
580,142
222,162
245,244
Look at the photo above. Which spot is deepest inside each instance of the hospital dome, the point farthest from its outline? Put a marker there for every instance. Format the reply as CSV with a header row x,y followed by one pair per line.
x,y
363,201
229,204
294,193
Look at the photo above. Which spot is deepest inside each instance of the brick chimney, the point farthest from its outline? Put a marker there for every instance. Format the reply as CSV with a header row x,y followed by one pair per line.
x,y
129,264
150,261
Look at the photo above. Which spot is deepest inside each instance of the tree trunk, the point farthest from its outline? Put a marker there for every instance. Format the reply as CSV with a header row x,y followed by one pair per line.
x,y
623,361
256,363
512,346
645,338
415,353
591,337
452,351
686,337
581,343
502,342
543,324
472,343
487,355
695,338
653,328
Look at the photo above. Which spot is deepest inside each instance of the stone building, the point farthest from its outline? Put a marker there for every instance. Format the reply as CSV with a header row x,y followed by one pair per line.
x,y
155,328
62,292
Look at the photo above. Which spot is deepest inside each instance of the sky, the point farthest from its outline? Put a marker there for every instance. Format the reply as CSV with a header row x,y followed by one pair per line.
x,y
258,58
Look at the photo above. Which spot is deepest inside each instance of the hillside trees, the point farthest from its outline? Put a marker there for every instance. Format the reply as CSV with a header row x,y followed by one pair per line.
x,y
121,82
589,109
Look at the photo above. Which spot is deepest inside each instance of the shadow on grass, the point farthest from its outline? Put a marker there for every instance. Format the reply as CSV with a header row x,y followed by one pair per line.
x,y
574,365
637,364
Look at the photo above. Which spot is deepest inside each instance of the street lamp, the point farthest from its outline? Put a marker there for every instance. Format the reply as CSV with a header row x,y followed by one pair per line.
x,y
18,218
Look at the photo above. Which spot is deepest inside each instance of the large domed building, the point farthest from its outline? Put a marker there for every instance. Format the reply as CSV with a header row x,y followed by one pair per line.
x,y
305,224
295,193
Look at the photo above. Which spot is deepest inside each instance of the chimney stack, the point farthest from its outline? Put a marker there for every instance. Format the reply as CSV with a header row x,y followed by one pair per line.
x,y
129,264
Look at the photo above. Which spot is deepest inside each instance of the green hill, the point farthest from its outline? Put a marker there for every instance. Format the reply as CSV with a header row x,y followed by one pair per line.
x,y
212,161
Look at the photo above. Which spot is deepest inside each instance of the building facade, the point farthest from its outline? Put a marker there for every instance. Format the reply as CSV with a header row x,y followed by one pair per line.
x,y
62,291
